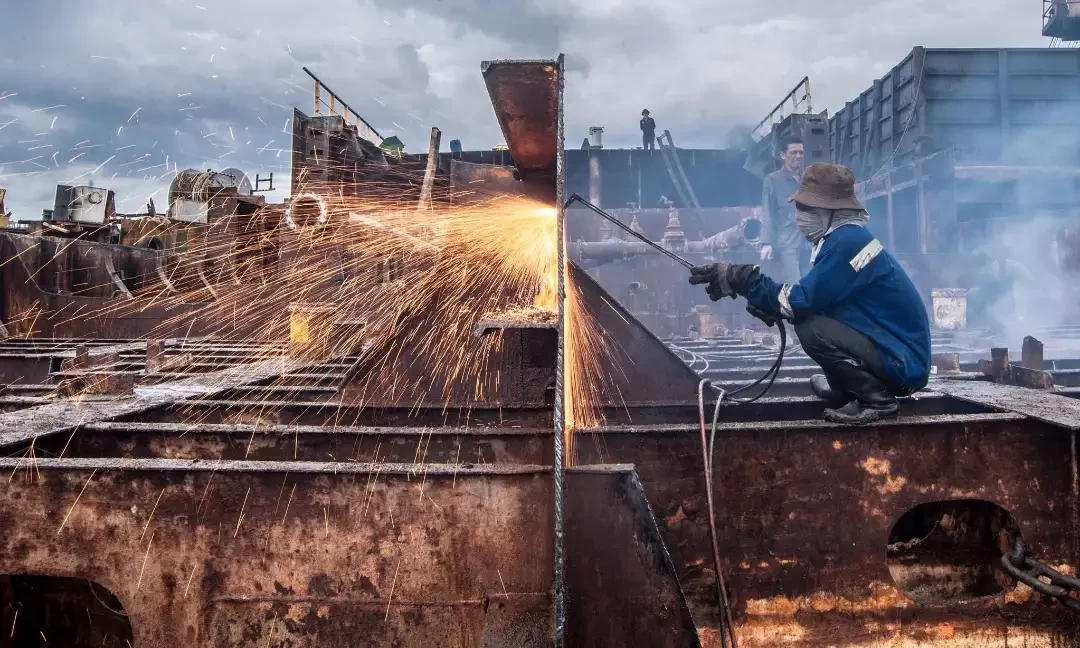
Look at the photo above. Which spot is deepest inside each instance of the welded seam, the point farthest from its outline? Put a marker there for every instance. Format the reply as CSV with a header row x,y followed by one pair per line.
x,y
560,401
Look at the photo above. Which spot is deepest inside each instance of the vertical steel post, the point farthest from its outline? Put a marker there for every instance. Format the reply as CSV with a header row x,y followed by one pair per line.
x,y
889,212
560,382
920,208
429,171
594,178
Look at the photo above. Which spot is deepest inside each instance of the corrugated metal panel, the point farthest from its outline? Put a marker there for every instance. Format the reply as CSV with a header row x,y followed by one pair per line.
x,y
993,106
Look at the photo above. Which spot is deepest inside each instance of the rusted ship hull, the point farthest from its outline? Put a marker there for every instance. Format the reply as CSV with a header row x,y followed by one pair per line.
x,y
251,501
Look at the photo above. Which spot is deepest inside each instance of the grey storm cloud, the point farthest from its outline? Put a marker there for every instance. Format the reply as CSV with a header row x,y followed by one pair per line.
x,y
533,26
211,83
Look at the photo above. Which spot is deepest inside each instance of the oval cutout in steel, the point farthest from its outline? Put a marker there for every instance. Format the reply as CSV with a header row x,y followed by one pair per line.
x,y
54,611
950,551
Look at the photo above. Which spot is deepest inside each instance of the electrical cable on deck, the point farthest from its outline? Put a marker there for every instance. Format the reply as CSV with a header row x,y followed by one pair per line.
x,y
727,626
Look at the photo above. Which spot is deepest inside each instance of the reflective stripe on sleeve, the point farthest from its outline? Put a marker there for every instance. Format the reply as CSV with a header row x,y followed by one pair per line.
x,y
866,255
785,302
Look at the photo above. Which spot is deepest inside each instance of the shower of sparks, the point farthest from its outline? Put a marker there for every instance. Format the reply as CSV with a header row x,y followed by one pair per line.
x,y
146,557
77,498
390,599
360,272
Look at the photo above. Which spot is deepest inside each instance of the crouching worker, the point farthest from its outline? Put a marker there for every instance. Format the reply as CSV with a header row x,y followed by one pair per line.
x,y
856,312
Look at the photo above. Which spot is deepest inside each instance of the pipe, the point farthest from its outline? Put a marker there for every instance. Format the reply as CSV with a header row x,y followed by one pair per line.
x,y
613,249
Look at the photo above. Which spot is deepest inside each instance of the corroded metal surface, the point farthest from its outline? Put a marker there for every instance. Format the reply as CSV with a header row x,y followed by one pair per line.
x,y
218,557
211,553
479,182
525,95
221,510
639,368
519,362
479,445
63,415
1044,406
622,588
805,513
53,287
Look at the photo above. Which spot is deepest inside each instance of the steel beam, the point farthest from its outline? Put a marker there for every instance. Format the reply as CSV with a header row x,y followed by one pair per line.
x,y
525,94
394,444
1041,405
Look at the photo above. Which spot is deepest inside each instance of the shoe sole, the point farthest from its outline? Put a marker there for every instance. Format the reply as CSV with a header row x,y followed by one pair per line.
x,y
835,417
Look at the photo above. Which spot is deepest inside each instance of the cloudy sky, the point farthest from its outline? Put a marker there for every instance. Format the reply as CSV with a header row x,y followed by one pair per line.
x,y
122,91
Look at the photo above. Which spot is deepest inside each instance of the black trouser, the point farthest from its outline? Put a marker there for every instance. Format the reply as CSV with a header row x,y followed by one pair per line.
x,y
648,141
828,342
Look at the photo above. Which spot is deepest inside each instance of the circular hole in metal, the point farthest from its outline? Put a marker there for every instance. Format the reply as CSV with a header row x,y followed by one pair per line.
x,y
752,229
306,210
950,551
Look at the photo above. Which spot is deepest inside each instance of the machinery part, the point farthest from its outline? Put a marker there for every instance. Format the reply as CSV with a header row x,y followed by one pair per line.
x,y
82,204
602,251
641,237
201,186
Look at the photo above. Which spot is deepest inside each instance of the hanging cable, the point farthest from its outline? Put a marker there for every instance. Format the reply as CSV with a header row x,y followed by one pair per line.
x,y
727,626
770,375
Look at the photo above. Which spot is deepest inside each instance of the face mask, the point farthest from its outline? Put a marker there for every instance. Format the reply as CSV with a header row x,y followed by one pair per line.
x,y
810,224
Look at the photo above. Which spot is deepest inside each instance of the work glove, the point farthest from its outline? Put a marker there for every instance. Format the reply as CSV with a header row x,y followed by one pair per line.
x,y
716,277
724,279
769,319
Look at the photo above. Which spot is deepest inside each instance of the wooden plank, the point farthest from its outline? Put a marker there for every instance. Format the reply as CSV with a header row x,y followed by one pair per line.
x,y
1045,406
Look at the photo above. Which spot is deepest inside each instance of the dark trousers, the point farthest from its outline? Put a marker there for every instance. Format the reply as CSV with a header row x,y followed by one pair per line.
x,y
829,342
648,141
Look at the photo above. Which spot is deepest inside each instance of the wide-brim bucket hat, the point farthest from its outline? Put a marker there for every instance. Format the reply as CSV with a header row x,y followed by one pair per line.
x,y
828,186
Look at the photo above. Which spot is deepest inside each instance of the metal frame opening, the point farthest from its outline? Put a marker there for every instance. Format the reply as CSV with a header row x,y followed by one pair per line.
x,y
950,551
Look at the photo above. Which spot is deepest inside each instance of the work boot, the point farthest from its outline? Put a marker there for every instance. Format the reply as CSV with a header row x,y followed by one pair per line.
x,y
872,401
821,387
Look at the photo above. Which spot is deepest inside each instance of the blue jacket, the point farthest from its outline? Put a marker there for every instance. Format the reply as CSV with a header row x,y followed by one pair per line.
x,y
855,281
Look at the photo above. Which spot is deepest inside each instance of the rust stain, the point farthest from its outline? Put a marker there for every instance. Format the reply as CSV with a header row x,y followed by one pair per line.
x,y
882,468
881,597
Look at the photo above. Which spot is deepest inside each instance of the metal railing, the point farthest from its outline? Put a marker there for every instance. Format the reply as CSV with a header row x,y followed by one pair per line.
x,y
798,97
1058,9
337,106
